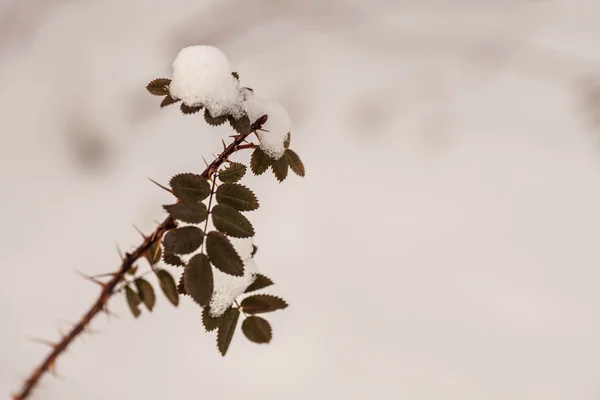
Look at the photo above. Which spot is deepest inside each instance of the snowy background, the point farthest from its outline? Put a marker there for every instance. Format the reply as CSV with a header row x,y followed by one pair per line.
x,y
444,244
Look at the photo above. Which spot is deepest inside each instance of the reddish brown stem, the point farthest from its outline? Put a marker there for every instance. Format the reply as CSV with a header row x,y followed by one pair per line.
x,y
108,289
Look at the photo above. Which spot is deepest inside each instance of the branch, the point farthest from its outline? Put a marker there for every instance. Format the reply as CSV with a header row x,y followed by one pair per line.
x,y
108,289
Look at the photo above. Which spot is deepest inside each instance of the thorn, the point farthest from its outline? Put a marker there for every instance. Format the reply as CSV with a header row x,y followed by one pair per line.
x,y
224,145
140,232
205,163
42,341
104,275
160,186
119,250
91,279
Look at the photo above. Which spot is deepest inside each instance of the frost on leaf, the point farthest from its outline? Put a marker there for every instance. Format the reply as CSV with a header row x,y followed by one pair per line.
x,y
190,187
184,240
223,255
230,221
294,162
237,196
167,284
262,303
228,288
198,279
257,329
275,130
193,213
233,173
259,162
146,293
227,329
210,323
133,301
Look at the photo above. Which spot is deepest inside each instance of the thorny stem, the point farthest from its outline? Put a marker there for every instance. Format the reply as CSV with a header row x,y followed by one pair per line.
x,y
108,289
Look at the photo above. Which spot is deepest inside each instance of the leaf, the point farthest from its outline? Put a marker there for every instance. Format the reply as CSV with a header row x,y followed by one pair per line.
x,y
159,87
154,253
193,213
189,110
241,126
237,196
172,259
259,162
262,303
167,101
260,282
210,323
167,284
227,329
190,187
288,139
181,286
214,121
146,292
183,240
280,168
294,162
257,329
133,300
132,270
198,279
230,221
233,173
254,250
236,75
223,255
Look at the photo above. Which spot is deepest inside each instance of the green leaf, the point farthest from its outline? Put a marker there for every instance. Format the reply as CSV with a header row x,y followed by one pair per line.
x,y
133,301
181,286
233,173
190,187
172,259
259,162
193,213
241,126
154,253
159,87
294,162
210,323
288,139
231,222
223,255
189,110
198,278
227,329
146,292
167,101
237,196
260,282
183,240
214,121
236,75
262,303
257,329
280,168
167,284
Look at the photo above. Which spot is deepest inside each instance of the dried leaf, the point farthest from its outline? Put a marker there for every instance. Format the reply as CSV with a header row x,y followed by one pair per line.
x,y
214,121
294,162
193,213
227,329
223,255
133,301
190,187
241,126
189,110
167,101
257,329
288,139
159,87
167,284
262,303
236,75
172,259
183,240
260,282
237,196
146,293
233,173
230,221
259,162
198,278
280,168
210,323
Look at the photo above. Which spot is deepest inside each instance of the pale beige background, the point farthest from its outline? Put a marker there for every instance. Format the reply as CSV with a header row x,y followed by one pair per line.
x,y
445,243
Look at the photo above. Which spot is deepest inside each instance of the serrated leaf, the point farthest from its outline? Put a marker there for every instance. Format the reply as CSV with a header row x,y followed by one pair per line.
x,y
257,329
210,323
214,121
154,253
280,168
237,196
183,240
294,162
260,282
173,259
241,126
230,221
288,139
262,303
198,278
236,75
167,284
227,329
259,162
159,87
190,187
189,110
181,286
233,173
133,301
146,293
167,101
223,255
193,213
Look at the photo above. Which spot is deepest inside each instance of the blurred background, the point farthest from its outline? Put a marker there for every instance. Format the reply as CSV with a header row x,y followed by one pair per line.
x,y
443,245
